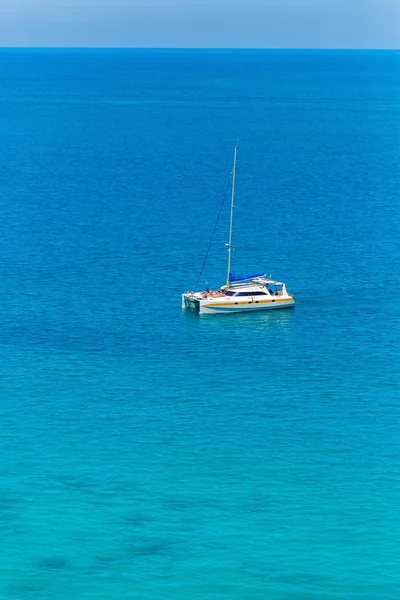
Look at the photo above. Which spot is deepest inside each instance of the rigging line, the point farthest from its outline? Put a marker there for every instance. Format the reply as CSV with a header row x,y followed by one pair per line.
x,y
215,228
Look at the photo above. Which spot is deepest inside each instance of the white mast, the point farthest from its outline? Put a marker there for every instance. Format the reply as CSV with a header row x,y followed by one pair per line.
x,y
229,244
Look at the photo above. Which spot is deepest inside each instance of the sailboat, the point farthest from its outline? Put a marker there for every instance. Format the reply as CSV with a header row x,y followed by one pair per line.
x,y
241,293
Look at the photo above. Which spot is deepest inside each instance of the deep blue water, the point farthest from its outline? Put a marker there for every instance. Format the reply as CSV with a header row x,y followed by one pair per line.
x,y
147,452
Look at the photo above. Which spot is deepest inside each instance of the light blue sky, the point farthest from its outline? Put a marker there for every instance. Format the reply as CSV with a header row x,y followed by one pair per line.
x,y
207,23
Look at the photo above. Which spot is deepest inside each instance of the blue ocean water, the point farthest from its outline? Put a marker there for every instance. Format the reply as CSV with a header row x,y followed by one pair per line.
x,y
148,452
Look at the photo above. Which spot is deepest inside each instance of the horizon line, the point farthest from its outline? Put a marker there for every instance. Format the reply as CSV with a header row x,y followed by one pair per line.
x,y
206,48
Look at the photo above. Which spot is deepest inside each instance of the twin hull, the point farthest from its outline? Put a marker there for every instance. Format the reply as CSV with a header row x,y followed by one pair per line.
x,y
225,305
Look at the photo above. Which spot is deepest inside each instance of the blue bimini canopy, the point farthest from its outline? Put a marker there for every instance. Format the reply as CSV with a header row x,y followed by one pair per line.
x,y
233,277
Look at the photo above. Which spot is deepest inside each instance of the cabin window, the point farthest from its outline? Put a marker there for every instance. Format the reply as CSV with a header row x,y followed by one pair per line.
x,y
230,293
275,289
250,294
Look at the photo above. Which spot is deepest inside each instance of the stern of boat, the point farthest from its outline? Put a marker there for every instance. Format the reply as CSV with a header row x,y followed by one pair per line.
x,y
190,301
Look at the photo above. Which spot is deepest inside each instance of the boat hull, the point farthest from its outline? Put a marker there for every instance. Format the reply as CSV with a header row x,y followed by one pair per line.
x,y
190,302
226,306
248,307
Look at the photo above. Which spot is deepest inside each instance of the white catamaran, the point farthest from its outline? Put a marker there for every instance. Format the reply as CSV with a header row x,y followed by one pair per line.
x,y
241,293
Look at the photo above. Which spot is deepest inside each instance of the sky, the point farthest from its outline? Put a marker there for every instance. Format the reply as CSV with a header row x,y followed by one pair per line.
x,y
201,24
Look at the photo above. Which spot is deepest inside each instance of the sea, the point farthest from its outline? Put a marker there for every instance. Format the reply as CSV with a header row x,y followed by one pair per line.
x,y
151,453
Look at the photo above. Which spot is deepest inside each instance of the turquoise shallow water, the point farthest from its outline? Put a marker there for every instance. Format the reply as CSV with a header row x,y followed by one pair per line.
x,y
152,453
